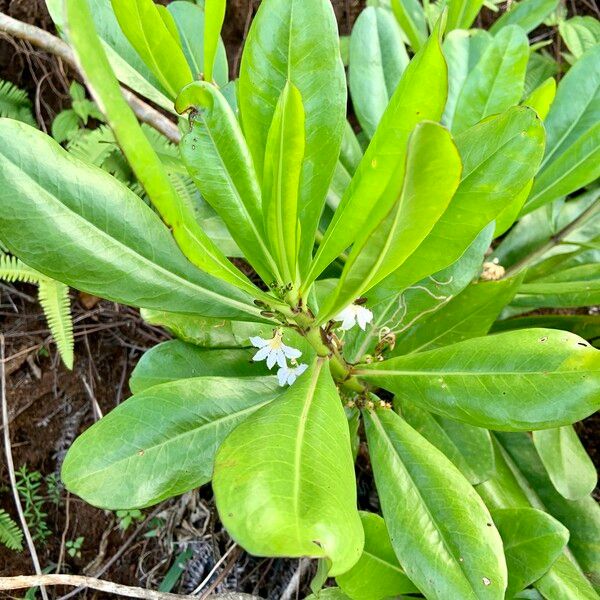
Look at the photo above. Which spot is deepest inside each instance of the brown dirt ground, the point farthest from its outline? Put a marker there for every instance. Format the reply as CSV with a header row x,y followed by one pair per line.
x,y
50,406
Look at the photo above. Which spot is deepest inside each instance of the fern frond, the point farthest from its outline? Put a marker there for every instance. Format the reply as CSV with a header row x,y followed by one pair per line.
x,y
10,533
94,146
54,298
12,269
15,104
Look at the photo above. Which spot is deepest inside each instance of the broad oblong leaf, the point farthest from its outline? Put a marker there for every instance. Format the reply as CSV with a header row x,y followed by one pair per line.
x,y
500,156
573,134
284,480
284,154
527,14
420,95
580,34
469,448
462,13
497,81
440,529
411,17
176,359
104,240
219,162
431,176
161,442
377,574
568,465
151,35
377,60
514,381
283,34
532,540
215,15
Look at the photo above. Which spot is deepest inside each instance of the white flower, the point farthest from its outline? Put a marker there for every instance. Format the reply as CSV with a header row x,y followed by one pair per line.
x,y
354,314
274,350
287,375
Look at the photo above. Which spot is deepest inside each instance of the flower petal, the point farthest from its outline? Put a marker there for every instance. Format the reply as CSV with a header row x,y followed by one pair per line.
x,y
261,354
291,352
280,357
272,359
282,376
258,342
363,316
349,322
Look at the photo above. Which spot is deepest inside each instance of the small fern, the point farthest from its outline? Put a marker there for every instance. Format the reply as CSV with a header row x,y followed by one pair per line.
x,y
10,533
54,299
15,104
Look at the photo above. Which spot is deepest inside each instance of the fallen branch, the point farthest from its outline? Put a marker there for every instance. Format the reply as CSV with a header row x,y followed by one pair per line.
x,y
27,581
54,45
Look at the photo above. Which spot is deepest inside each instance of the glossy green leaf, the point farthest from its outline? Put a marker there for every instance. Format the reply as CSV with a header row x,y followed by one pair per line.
x,y
161,442
462,50
497,81
104,240
585,326
284,154
330,593
565,580
572,157
397,312
284,480
431,176
436,521
190,21
540,66
499,156
469,448
377,60
377,574
581,517
175,359
420,96
569,467
533,540
462,13
411,17
145,28
148,168
283,34
542,97
218,160
468,315
126,63
527,14
215,15
580,34
514,381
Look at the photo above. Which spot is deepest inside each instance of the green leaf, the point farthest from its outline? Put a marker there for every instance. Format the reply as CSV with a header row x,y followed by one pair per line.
x,y
411,17
282,35
581,517
462,13
146,29
284,480
565,580
420,95
572,157
542,97
462,50
540,66
435,519
331,593
161,442
404,215
190,21
104,240
585,326
175,359
469,448
377,574
497,81
218,160
569,467
65,126
580,34
284,154
514,381
148,168
10,533
54,298
468,315
499,155
15,104
377,60
527,14
215,15
533,540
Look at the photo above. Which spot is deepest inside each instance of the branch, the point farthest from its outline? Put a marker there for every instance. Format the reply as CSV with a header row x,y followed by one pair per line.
x,y
54,45
27,581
